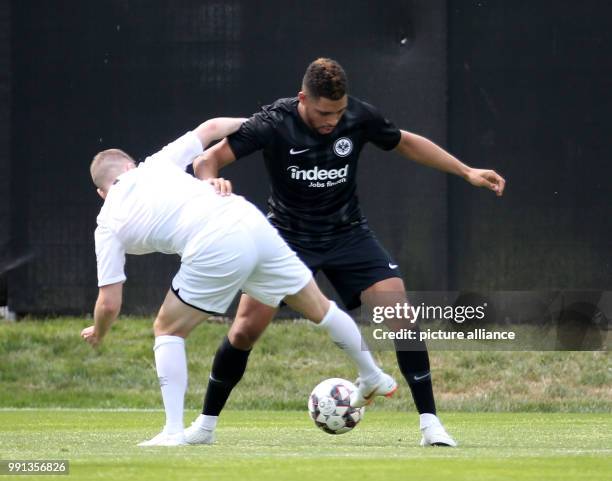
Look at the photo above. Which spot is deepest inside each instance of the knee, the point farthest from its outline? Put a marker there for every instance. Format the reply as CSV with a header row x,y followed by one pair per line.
x,y
248,327
243,336
387,292
161,327
251,321
164,326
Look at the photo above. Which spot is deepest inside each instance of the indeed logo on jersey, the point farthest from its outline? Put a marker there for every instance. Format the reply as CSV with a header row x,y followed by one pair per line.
x,y
332,176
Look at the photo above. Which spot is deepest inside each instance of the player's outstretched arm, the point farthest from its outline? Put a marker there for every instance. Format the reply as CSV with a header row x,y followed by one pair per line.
x,y
108,306
217,128
208,164
425,152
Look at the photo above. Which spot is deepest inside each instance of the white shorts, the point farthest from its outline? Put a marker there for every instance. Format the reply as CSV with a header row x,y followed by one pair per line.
x,y
250,256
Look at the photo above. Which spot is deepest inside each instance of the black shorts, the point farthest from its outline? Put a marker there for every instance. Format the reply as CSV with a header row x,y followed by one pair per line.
x,y
352,262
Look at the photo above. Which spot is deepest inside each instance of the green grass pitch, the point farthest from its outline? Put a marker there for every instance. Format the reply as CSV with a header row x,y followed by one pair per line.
x,y
285,445
517,415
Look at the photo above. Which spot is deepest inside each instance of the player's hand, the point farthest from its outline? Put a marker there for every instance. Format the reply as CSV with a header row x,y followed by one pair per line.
x,y
222,186
89,335
487,178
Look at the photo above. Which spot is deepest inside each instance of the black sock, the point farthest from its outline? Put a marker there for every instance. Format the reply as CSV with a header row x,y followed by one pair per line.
x,y
227,370
413,361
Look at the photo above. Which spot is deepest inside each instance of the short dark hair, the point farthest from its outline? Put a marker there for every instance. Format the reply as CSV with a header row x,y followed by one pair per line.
x,y
325,78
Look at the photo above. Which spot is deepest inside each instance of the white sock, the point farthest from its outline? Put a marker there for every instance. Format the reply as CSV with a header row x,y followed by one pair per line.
x,y
428,419
171,363
345,333
207,422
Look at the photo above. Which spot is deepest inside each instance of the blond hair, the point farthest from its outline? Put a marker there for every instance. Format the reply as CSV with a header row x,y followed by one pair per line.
x,y
107,166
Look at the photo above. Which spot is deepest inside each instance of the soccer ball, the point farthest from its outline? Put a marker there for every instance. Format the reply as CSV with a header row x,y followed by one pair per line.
x,y
330,409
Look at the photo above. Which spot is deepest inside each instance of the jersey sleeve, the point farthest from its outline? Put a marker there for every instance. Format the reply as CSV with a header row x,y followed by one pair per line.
x,y
181,152
381,131
253,135
110,256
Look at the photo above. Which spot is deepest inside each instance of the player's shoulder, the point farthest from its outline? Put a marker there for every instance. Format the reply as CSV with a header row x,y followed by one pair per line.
x,y
284,105
280,109
269,119
361,109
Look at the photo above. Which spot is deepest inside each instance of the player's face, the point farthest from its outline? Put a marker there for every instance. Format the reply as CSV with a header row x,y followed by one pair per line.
x,y
322,114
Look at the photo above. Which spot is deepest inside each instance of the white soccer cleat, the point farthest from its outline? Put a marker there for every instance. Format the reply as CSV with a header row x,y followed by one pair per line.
x,y
196,434
165,439
383,385
434,433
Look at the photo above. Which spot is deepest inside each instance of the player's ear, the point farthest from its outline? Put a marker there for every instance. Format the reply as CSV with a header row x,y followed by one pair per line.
x,y
301,96
101,193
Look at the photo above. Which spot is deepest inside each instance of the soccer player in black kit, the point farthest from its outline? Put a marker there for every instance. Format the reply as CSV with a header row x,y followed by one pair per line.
x,y
311,145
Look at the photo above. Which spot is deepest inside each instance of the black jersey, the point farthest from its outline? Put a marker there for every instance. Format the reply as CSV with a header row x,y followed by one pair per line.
x,y
313,176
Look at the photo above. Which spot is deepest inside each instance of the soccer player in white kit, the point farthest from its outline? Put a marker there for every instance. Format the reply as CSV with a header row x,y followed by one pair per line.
x,y
225,245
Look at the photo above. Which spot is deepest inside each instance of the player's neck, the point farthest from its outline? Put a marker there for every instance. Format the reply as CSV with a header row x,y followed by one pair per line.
x,y
302,113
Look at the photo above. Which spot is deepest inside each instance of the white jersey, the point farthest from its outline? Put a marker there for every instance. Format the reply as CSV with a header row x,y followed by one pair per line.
x,y
158,207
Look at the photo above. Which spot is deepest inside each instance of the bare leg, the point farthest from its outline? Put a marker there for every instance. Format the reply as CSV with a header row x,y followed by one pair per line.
x,y
174,322
339,325
252,319
175,318
310,302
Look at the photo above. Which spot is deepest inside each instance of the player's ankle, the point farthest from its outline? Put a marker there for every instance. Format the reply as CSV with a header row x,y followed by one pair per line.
x,y
174,428
207,422
428,419
371,378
